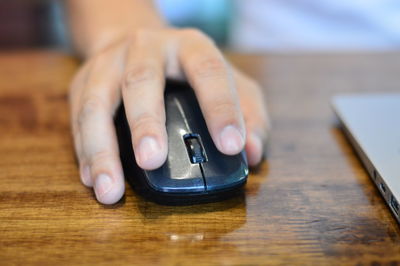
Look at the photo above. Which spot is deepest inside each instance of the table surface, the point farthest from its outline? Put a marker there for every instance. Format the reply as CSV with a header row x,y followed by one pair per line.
x,y
310,202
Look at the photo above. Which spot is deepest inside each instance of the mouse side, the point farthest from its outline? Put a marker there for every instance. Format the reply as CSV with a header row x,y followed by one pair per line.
x,y
195,171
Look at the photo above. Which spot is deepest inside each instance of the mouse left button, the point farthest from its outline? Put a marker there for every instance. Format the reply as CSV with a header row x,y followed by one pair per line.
x,y
188,180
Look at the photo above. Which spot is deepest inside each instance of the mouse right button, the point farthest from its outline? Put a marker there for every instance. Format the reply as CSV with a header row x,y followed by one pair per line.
x,y
228,172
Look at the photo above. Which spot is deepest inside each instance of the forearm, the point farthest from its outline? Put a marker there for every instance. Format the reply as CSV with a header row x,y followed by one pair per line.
x,y
94,24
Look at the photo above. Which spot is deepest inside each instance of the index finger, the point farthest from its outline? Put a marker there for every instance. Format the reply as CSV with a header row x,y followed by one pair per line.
x,y
214,85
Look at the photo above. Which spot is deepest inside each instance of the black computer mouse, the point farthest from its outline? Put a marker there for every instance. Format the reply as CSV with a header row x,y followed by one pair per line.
x,y
195,171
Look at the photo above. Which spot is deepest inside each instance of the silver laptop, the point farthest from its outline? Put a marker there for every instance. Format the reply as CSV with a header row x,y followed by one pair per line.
x,y
372,124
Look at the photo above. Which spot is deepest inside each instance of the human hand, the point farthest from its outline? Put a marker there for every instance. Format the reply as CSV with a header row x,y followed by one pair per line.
x,y
133,69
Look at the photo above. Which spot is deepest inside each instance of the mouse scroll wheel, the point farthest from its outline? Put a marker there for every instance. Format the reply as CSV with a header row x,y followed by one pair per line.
x,y
195,149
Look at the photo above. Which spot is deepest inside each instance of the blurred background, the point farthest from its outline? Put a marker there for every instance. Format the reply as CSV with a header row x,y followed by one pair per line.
x,y
27,23
241,25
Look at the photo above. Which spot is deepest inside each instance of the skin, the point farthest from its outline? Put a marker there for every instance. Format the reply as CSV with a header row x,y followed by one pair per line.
x,y
127,52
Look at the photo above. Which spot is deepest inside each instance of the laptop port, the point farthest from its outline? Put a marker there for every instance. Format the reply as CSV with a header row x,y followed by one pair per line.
x,y
375,174
382,187
395,205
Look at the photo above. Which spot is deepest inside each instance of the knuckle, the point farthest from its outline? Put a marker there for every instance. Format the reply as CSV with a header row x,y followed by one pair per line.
x,y
138,75
98,60
140,35
88,109
194,33
145,121
224,107
210,67
99,157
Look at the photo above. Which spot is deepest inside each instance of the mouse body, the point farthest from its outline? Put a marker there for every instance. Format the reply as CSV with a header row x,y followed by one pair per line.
x,y
195,171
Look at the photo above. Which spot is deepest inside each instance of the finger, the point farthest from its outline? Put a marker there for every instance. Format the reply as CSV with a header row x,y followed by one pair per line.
x,y
74,96
212,80
93,116
256,117
142,90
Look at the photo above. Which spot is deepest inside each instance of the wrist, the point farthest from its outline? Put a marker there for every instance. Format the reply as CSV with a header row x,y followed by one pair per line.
x,y
104,30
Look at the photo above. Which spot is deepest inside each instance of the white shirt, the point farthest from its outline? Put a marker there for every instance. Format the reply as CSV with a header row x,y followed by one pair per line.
x,y
298,25
310,25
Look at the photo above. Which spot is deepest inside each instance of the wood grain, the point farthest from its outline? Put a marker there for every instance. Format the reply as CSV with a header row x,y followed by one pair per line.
x,y
309,203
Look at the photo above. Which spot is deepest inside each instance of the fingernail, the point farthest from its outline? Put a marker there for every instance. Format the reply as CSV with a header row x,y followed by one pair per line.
x,y
148,150
102,185
231,140
85,175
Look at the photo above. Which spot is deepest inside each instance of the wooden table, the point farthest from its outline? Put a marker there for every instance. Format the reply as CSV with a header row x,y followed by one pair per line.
x,y
310,202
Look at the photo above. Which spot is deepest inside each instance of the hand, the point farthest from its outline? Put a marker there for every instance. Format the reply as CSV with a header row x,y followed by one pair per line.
x,y
134,69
